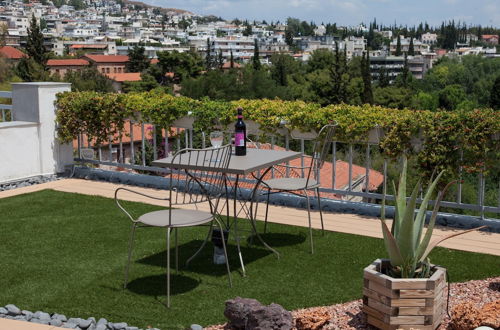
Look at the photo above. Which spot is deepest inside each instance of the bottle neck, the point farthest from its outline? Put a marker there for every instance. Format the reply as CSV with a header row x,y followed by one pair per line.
x,y
240,116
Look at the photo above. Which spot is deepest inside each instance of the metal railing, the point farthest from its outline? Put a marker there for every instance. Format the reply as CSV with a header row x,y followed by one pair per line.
x,y
5,109
126,151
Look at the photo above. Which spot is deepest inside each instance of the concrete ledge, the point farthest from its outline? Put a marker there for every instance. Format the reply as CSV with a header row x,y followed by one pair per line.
x,y
290,200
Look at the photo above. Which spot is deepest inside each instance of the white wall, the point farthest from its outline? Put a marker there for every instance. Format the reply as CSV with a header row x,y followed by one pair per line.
x,y
19,150
28,144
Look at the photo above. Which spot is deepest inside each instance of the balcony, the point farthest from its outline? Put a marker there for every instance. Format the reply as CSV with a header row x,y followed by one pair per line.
x,y
64,242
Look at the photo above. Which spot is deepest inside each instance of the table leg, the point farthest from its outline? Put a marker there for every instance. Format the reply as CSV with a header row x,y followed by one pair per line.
x,y
253,198
235,219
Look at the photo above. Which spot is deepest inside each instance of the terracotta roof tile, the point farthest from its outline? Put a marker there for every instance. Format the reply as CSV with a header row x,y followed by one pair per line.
x,y
91,46
121,77
227,65
12,53
107,58
68,62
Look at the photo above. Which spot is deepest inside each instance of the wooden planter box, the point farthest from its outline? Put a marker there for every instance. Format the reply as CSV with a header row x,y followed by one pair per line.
x,y
402,303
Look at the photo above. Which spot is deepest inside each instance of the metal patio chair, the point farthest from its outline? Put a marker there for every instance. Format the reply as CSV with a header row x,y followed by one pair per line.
x,y
308,181
186,187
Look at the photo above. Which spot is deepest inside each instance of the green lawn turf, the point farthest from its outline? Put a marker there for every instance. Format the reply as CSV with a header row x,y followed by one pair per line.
x,y
66,253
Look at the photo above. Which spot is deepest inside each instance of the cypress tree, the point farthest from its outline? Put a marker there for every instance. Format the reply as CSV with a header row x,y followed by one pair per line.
x,y
208,58
220,60
495,94
34,44
138,61
411,48
255,60
367,80
405,72
344,82
398,46
231,60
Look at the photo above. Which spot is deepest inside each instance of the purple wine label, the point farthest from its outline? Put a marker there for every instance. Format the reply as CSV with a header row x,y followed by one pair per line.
x,y
239,139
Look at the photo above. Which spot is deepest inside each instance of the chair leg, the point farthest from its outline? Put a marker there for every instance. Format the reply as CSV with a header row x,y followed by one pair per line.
x,y
168,267
130,246
309,218
176,252
225,253
202,245
267,209
320,212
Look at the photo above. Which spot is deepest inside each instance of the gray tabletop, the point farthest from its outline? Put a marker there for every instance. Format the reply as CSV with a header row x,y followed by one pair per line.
x,y
254,160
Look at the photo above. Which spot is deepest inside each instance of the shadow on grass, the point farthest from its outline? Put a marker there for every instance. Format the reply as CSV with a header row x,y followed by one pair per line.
x,y
156,285
203,263
275,240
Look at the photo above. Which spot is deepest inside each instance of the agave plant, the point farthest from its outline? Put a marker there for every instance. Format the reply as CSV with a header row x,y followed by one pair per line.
x,y
408,251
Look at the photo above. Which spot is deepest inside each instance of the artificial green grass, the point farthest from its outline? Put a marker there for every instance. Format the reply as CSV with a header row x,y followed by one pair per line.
x,y
65,253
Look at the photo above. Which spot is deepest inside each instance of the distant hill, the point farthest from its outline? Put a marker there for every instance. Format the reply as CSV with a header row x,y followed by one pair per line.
x,y
162,9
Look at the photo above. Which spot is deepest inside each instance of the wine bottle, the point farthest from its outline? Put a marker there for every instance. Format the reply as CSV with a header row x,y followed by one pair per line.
x,y
240,135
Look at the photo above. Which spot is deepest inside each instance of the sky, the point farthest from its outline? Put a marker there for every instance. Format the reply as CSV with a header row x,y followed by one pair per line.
x,y
346,12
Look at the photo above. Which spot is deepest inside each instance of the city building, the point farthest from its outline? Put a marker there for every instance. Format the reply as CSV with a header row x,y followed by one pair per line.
x,y
63,66
491,39
108,63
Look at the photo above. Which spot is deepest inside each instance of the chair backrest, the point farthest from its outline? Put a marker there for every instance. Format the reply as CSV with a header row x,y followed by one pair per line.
x,y
200,176
321,149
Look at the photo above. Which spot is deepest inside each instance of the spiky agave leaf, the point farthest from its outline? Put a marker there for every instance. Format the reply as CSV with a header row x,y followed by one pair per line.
x,y
406,233
439,240
422,250
391,246
420,218
401,197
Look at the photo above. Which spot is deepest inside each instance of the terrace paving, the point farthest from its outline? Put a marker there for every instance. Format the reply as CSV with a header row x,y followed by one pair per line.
x,y
6,324
481,242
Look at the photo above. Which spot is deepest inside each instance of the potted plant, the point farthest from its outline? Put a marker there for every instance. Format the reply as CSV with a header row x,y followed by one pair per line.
x,y
407,291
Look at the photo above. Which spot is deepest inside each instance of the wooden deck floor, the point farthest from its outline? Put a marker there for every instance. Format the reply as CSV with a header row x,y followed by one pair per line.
x,y
482,242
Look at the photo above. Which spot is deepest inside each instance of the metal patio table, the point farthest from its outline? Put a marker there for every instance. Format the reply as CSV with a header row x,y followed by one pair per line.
x,y
258,161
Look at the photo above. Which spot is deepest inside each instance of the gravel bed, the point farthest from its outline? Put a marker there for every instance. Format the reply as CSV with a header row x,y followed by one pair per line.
x,y
59,320
29,181
349,316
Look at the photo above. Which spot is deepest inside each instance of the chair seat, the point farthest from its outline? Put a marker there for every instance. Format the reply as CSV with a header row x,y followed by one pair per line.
x,y
180,218
290,184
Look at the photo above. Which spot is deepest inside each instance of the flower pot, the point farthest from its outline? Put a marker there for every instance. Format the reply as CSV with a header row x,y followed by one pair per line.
x,y
403,303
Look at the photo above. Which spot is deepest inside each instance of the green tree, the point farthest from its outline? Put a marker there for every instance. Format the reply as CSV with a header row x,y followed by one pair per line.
x,y
248,30
147,83
88,79
283,65
256,56
383,77
398,46
495,94
231,60
137,59
411,48
425,101
404,77
183,65
34,44
451,96
3,34
392,97
320,59
367,80
29,70
208,58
